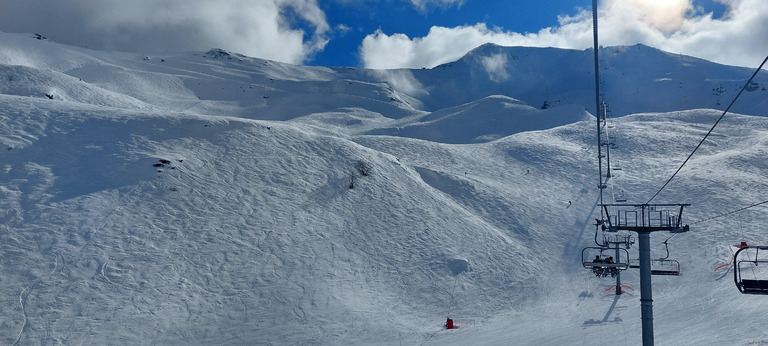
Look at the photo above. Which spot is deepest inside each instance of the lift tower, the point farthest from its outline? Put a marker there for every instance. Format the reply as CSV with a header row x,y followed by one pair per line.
x,y
645,219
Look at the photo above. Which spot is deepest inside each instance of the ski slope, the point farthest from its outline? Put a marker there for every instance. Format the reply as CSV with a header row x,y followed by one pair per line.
x,y
203,198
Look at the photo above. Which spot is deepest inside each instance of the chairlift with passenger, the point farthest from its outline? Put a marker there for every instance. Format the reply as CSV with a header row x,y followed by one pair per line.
x,y
604,261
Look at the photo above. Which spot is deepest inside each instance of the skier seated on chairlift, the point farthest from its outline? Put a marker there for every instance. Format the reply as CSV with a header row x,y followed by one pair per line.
x,y
596,269
601,271
610,270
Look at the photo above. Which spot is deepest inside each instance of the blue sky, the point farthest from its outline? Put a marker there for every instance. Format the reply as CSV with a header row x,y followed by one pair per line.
x,y
403,17
394,33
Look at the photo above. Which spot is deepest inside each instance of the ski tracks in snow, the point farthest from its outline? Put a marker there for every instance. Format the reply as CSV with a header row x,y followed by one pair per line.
x,y
23,299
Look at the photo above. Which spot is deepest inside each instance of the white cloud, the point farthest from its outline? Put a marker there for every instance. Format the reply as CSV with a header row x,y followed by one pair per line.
x,y
663,15
270,29
441,44
342,29
401,80
496,66
422,5
672,25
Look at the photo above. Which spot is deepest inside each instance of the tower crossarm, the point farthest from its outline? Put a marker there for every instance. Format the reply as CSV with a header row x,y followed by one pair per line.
x,y
644,217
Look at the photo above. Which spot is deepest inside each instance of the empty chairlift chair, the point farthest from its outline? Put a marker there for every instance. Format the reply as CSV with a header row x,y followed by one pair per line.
x,y
751,269
663,266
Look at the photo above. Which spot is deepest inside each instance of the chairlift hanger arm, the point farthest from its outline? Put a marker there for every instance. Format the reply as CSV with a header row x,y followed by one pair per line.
x,y
608,217
598,244
666,246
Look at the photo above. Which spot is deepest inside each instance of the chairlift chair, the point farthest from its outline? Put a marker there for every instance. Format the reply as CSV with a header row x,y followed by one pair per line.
x,y
623,239
603,264
621,197
751,269
663,266
660,266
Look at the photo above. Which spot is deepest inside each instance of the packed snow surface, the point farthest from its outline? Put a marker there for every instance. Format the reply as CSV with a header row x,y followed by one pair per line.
x,y
214,198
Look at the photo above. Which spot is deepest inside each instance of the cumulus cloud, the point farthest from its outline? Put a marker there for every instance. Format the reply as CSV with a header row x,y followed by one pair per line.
x,y
282,30
441,44
678,26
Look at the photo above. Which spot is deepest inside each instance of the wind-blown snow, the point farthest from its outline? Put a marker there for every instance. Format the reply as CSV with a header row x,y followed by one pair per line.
x,y
203,198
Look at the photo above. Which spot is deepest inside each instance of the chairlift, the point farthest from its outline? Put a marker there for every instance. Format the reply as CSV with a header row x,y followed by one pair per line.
x,y
621,197
623,239
603,264
664,265
660,266
751,270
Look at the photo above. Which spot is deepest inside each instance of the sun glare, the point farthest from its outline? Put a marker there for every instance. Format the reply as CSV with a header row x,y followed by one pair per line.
x,y
664,15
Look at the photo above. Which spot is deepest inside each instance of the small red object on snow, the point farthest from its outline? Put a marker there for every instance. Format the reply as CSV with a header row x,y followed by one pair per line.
x,y
743,244
449,324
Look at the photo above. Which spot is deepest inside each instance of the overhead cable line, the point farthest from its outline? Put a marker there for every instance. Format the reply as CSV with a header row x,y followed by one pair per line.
x,y
710,130
730,212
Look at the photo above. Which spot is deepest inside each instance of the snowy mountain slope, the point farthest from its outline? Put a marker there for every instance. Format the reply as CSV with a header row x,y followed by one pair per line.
x,y
215,82
636,79
187,237
148,208
34,82
698,307
483,120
